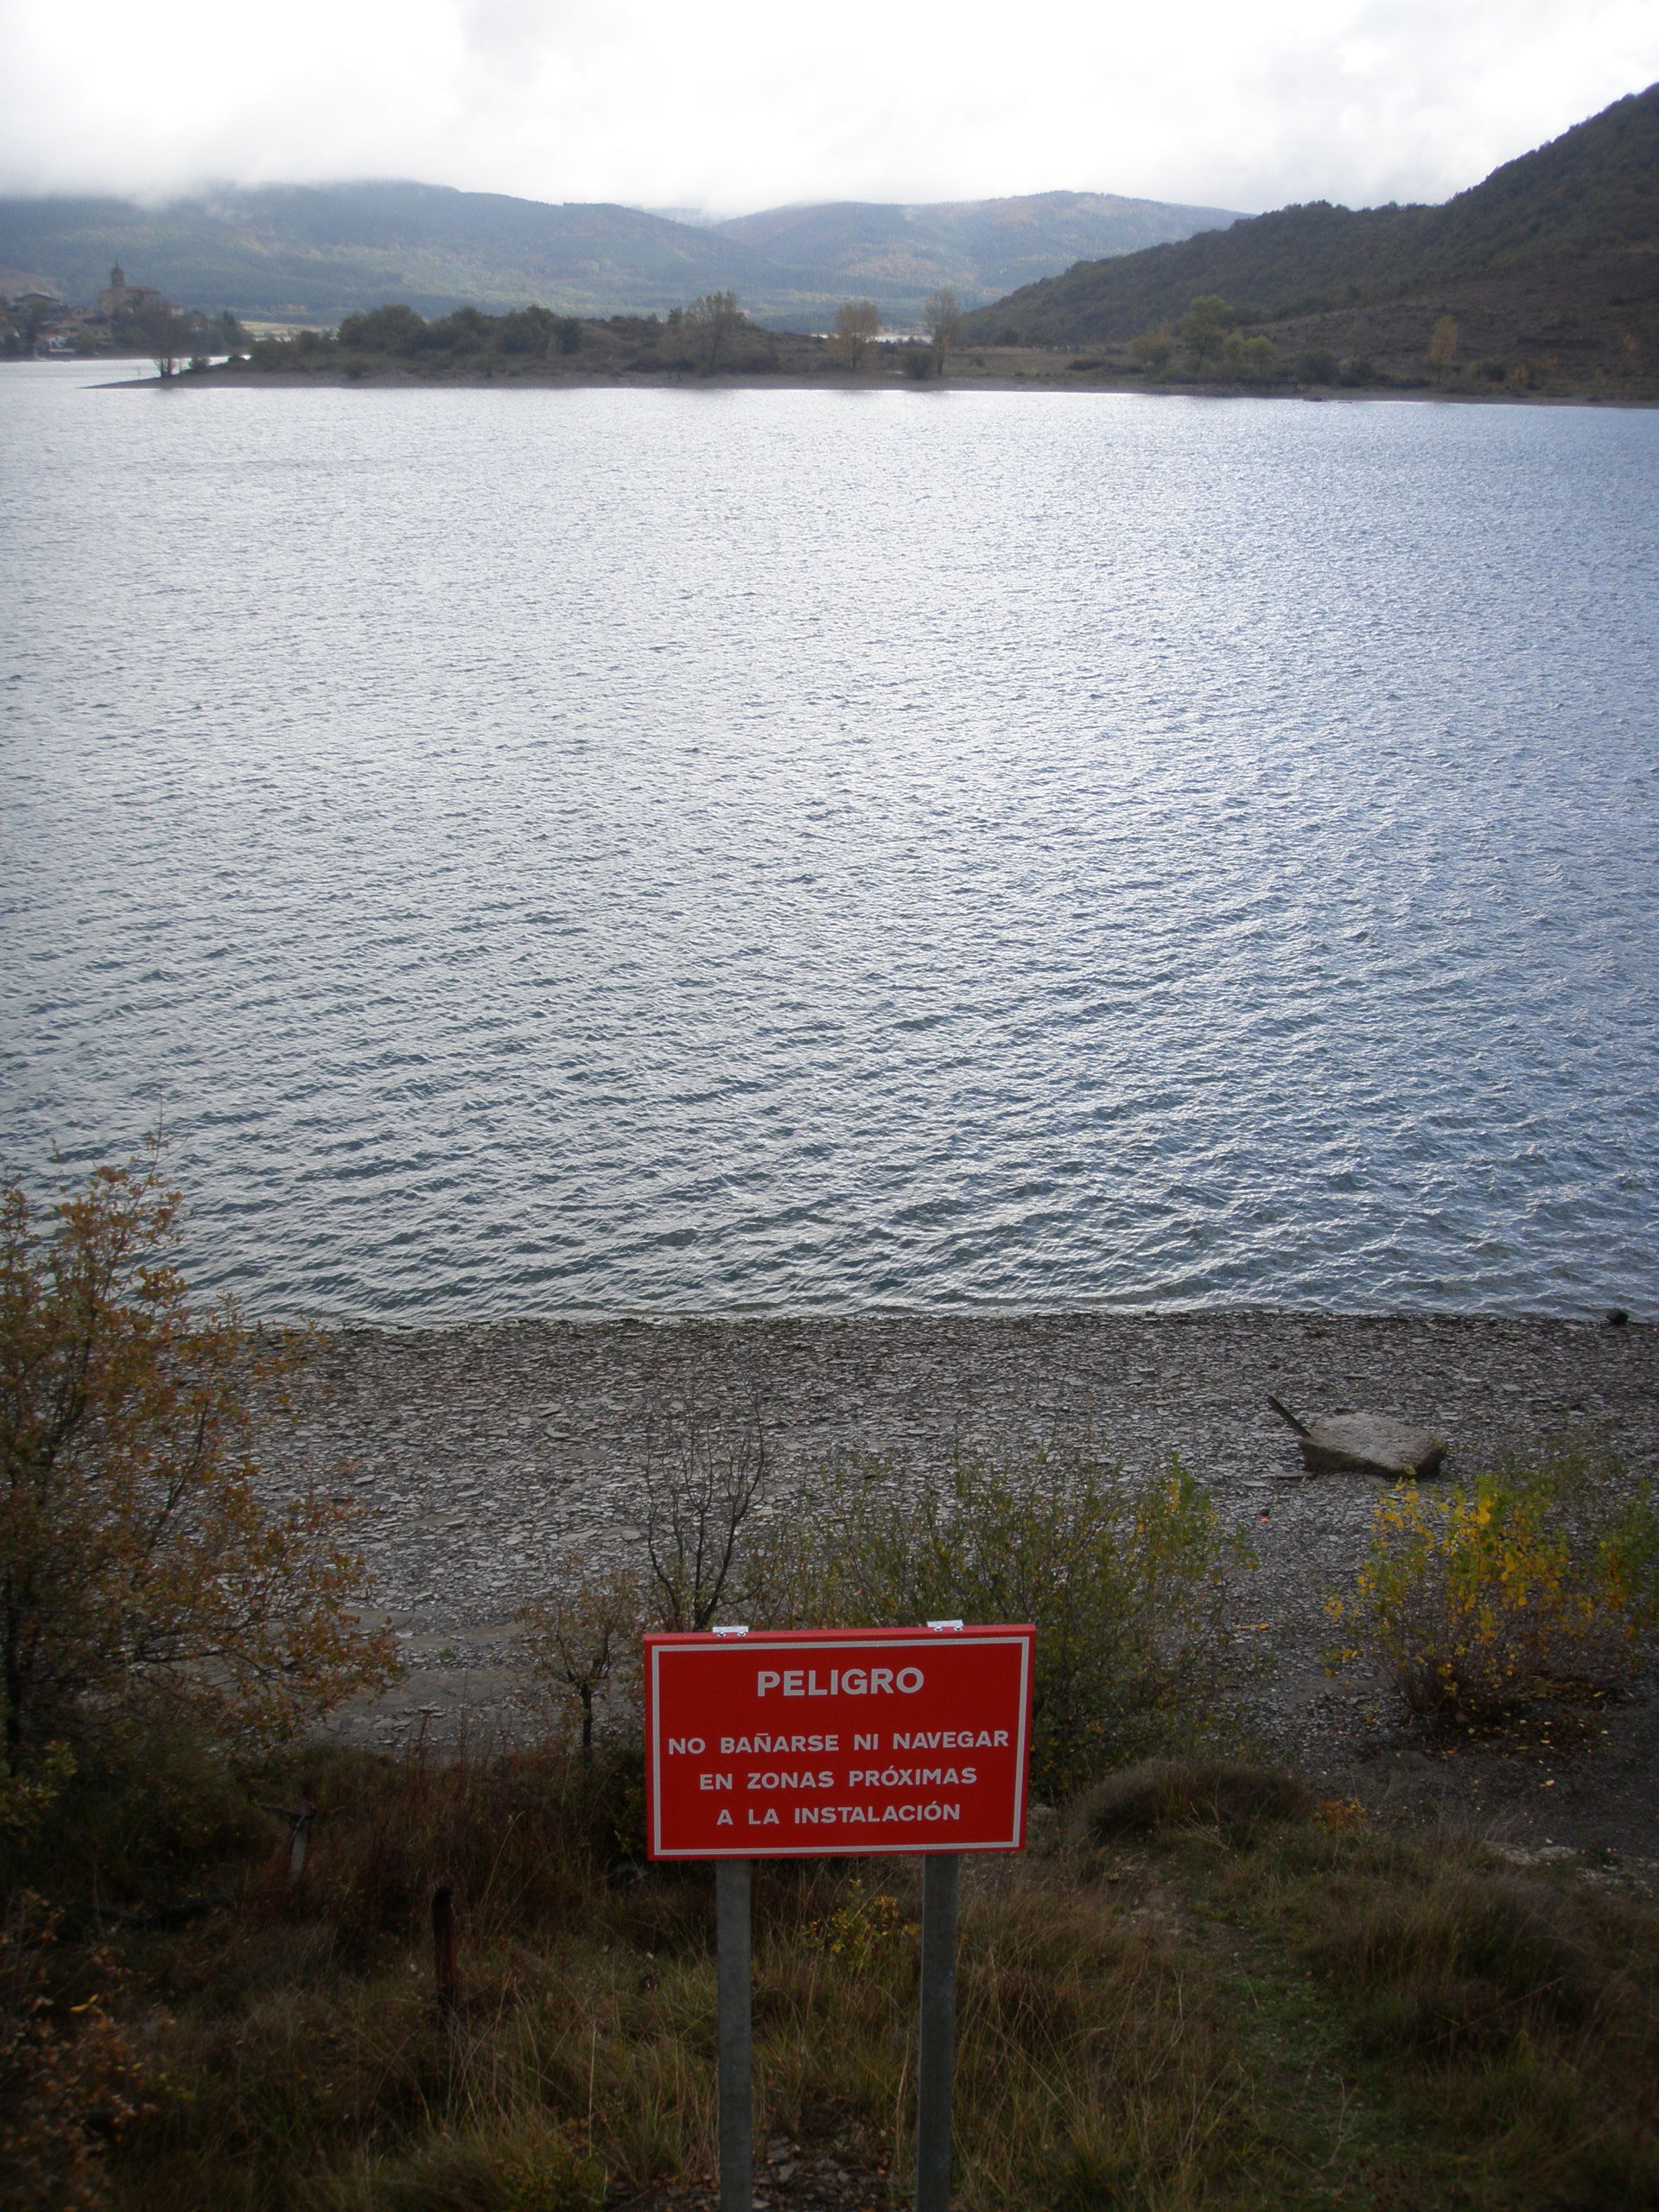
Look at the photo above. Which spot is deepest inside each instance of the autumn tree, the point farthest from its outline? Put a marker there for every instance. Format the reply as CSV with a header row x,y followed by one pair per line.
x,y
942,319
856,324
1443,346
584,1637
141,1568
712,323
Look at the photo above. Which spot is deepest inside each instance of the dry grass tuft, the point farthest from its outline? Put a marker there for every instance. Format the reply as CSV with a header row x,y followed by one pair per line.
x,y
1230,1796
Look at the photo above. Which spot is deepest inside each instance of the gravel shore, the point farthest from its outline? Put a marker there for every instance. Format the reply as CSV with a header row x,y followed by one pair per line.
x,y
480,1451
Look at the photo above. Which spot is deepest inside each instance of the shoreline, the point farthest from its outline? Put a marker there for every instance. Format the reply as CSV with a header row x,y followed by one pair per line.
x,y
1060,382
478,1452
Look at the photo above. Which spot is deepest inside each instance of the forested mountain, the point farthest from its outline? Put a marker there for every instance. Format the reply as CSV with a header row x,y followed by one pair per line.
x,y
313,253
1575,223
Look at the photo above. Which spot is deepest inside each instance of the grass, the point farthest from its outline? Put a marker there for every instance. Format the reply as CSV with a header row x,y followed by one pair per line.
x,y
1207,1990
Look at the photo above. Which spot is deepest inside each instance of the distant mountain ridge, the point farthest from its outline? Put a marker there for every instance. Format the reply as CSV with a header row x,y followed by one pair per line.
x,y
874,249
1579,215
315,252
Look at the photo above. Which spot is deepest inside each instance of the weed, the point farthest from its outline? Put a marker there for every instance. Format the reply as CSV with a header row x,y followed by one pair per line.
x,y
523,2169
1232,1798
1258,2009
862,1924
1468,2005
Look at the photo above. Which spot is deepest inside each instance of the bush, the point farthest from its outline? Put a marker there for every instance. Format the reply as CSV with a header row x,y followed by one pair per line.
x,y
143,1576
1127,1581
1317,365
532,330
463,331
1254,360
527,330
1154,348
1204,327
141,1818
70,2079
1535,1580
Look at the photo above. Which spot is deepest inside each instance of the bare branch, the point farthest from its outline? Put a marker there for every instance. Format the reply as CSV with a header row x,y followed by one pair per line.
x,y
704,1475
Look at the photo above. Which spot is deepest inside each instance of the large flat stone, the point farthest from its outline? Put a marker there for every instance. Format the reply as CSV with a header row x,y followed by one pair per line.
x,y
1371,1444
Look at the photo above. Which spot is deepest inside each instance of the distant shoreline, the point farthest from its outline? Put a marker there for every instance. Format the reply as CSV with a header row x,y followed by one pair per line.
x,y
1061,381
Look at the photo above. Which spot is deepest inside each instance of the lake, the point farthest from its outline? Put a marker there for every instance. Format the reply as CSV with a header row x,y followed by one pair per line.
x,y
610,851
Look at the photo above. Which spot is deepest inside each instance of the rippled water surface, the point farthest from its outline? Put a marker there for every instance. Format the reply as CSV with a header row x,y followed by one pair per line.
x,y
654,851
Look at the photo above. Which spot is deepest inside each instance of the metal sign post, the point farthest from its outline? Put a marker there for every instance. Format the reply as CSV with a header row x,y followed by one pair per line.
x,y
733,1985
837,1743
935,2060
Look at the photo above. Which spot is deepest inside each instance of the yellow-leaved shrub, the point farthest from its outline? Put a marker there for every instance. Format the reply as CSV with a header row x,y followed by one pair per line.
x,y
1529,1581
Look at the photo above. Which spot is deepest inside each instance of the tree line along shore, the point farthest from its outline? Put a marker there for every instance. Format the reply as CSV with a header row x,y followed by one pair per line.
x,y
1214,345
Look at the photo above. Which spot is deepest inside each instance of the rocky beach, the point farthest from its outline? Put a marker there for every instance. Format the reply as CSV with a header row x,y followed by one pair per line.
x,y
480,1454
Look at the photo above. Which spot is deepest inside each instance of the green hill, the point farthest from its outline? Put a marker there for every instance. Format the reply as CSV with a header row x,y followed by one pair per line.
x,y
1557,250
896,254
313,253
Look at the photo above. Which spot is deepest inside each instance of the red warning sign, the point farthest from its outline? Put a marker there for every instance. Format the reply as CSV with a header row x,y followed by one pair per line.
x,y
815,1742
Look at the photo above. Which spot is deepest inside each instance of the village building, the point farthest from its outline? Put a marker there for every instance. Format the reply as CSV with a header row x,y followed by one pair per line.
x,y
117,298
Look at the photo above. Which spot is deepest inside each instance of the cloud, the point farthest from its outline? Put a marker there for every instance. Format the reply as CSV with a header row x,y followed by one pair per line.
x,y
744,104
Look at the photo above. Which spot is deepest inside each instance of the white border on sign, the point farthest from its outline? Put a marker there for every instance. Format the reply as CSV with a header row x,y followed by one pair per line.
x,y
894,1848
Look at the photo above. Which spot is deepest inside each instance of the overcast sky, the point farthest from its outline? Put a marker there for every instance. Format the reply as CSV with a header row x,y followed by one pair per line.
x,y
744,104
